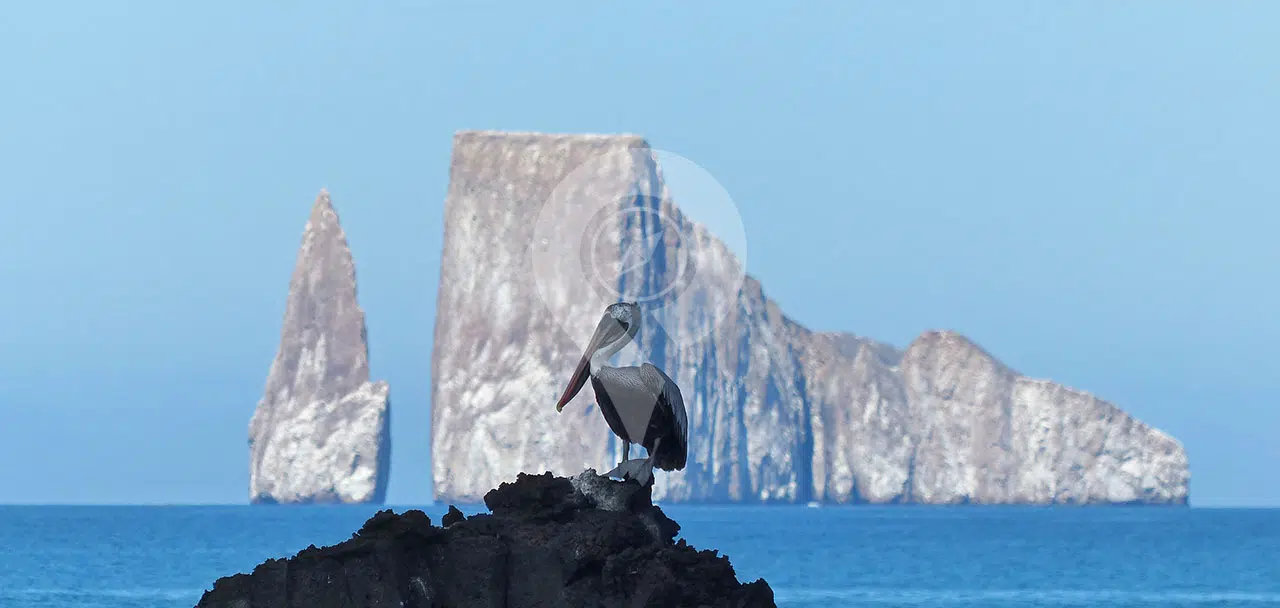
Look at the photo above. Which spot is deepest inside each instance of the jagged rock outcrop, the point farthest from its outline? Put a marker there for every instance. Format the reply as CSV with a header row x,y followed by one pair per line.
x,y
945,422
548,541
321,431
777,412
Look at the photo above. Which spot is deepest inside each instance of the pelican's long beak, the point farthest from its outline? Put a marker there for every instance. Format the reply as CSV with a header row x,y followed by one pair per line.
x,y
578,380
607,331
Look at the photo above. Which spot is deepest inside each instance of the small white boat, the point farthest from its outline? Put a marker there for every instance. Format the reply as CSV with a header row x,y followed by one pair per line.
x,y
813,504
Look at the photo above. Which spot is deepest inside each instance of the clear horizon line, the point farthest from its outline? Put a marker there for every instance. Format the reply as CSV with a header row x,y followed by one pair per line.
x,y
1238,507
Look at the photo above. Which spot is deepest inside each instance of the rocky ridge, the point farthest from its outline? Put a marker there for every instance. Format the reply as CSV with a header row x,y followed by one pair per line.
x,y
549,541
321,431
778,413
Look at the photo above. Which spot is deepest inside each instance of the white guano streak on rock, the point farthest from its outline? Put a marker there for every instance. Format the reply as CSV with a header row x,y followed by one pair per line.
x,y
321,431
776,412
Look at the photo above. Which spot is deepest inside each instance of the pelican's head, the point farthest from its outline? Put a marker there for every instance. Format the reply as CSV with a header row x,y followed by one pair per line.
x,y
619,325
626,314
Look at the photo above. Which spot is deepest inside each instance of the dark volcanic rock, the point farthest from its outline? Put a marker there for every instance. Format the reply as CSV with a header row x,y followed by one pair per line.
x,y
548,541
452,517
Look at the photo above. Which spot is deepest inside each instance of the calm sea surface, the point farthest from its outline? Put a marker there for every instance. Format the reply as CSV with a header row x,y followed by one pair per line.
x,y
80,557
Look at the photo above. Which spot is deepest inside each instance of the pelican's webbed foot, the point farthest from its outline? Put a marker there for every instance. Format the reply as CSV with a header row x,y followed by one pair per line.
x,y
644,473
627,468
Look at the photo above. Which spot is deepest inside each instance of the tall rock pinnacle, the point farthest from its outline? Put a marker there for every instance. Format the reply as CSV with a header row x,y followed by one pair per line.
x,y
321,431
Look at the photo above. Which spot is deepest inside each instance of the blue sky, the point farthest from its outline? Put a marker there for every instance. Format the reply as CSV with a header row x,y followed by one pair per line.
x,y
1088,190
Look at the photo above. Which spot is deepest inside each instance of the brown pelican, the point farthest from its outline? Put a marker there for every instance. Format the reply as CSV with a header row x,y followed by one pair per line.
x,y
641,404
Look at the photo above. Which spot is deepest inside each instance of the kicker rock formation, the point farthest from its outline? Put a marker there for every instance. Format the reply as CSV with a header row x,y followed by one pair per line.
x,y
777,413
321,431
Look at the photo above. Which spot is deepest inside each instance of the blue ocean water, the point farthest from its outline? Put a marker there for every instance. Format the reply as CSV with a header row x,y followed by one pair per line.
x,y
157,557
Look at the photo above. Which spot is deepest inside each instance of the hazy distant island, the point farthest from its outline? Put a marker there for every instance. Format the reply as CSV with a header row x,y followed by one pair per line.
x,y
778,413
321,431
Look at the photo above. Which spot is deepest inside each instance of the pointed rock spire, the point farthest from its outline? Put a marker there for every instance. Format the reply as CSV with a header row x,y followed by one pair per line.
x,y
321,431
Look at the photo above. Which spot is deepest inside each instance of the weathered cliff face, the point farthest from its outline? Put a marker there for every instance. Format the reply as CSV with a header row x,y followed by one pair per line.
x,y
951,424
776,412
321,431
501,353
863,444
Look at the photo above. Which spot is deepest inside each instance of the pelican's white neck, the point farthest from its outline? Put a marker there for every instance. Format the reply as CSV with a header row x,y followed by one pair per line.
x,y
600,358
